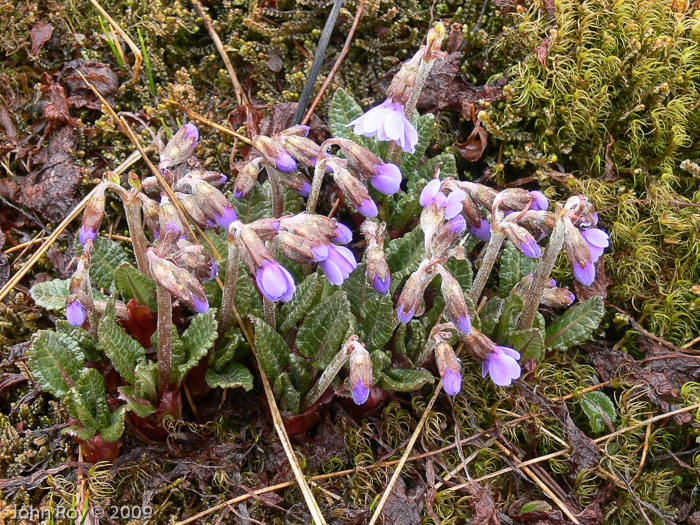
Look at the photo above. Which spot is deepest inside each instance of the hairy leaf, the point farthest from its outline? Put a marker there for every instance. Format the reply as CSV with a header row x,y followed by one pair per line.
x,y
116,428
408,206
124,352
289,397
51,295
87,403
342,110
462,271
132,283
300,374
308,293
198,339
490,315
512,308
514,266
377,314
356,287
56,361
448,167
84,339
600,411
576,325
146,381
107,256
404,254
324,329
273,352
425,125
231,375
401,380
529,343
140,407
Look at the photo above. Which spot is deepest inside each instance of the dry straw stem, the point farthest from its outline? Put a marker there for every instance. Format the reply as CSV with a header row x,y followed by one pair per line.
x,y
404,457
276,417
237,88
210,123
138,57
335,67
48,242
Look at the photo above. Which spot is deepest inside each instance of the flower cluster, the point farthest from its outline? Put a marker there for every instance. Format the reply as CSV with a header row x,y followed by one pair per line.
x,y
584,242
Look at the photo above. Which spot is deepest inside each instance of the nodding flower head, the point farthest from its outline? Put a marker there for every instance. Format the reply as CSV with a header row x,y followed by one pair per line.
x,y
540,203
227,217
360,373
502,365
246,178
180,147
584,249
520,237
377,267
597,241
178,281
449,368
343,234
387,121
75,312
275,154
304,249
388,179
301,149
412,294
455,302
275,281
338,265
352,188
92,216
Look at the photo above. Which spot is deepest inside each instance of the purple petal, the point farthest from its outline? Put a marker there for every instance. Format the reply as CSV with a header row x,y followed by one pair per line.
x,y
503,368
429,193
213,272
394,124
320,253
452,382
192,132
382,286
585,274
223,178
541,202
457,224
332,272
304,190
275,282
597,241
483,231
368,208
531,248
343,234
200,305
404,317
227,218
370,122
76,314
509,351
87,234
453,203
285,162
360,393
410,137
237,193
388,179
338,265
463,324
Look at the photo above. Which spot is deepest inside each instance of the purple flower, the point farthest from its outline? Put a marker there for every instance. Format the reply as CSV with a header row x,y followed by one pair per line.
x,y
382,286
320,253
368,208
431,193
360,393
304,190
388,179
463,323
238,193
453,203
192,132
75,313
285,162
223,178
452,382
585,274
387,122
502,365
227,218
597,241
214,271
457,224
531,248
343,234
275,282
404,317
200,305
540,203
338,265
87,234
481,232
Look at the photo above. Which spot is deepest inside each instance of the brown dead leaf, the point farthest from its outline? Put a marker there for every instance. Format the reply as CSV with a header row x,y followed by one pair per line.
x,y
405,507
7,123
483,505
599,287
98,74
41,33
57,108
542,50
473,148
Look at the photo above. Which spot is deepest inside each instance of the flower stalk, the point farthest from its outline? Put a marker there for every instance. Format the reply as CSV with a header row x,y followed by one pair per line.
x,y
165,338
132,206
329,374
227,300
494,246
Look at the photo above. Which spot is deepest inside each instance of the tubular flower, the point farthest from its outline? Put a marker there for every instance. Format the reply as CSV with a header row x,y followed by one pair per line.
x,y
180,147
449,367
178,281
338,265
92,216
76,313
454,301
360,373
502,365
275,154
387,121
412,294
377,267
275,281
352,188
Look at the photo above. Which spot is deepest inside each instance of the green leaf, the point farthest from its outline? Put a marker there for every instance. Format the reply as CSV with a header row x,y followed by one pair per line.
x,y
198,339
404,254
425,125
377,314
343,109
259,204
512,308
135,404
355,286
273,352
535,506
307,295
417,339
227,349
462,271
300,374
324,329
86,402
600,411
231,375
490,315
116,428
124,352
134,284
380,362
104,261
514,266
51,295
576,325
408,206
81,336
146,381
448,168
247,299
402,380
78,432
529,343
289,397
56,361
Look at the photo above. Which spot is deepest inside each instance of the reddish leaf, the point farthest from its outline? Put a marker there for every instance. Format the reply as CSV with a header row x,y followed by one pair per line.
x,y
41,33
140,322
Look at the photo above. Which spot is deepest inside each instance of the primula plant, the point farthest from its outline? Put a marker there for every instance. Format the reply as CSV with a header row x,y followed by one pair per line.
x,y
383,300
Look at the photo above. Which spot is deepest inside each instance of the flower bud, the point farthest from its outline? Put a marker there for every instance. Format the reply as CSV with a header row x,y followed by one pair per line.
x,y
411,296
455,302
579,253
449,367
246,178
210,201
296,182
300,130
302,149
433,42
169,217
403,82
521,238
214,178
92,216
191,206
353,190
377,268
180,147
266,228
338,265
300,249
178,281
75,311
195,259
274,153
538,223
360,380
